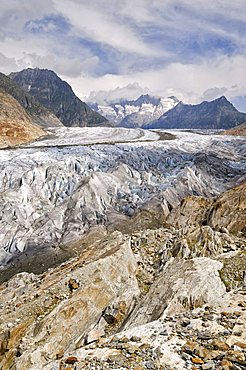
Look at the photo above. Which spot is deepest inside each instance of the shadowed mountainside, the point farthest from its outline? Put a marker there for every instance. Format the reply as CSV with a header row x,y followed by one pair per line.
x,y
39,114
217,114
57,96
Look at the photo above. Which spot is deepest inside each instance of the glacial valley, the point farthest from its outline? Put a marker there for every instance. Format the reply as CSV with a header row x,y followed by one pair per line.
x,y
52,196
117,245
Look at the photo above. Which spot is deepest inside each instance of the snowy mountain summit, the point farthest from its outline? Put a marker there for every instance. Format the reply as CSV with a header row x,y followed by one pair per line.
x,y
136,113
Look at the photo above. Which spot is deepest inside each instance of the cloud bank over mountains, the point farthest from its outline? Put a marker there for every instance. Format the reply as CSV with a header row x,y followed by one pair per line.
x,y
193,49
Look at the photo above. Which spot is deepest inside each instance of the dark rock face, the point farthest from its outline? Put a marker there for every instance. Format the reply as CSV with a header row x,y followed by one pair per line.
x,y
39,114
57,96
217,114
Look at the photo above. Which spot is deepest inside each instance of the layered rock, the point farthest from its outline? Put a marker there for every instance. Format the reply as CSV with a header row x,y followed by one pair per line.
x,y
16,127
181,286
228,211
220,215
55,312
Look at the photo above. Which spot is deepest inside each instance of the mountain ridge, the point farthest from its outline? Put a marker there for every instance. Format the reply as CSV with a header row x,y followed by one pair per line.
x,y
57,96
136,113
39,114
216,114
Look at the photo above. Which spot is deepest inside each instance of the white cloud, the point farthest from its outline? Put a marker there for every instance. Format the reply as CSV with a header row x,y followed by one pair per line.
x,y
187,81
126,42
130,92
7,64
96,23
213,93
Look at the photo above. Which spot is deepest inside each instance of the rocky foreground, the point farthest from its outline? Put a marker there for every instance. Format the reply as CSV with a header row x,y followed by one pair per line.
x,y
159,280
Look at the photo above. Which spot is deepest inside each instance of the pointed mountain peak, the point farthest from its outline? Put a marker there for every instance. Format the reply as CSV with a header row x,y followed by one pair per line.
x,y
147,99
57,96
222,99
223,102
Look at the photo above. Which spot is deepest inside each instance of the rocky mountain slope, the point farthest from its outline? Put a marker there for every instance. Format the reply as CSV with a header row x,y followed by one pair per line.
x,y
58,97
16,127
238,130
217,114
38,113
148,300
136,113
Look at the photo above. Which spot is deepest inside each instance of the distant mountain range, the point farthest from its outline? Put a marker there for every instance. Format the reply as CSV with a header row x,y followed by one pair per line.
x,y
58,97
136,113
49,101
217,114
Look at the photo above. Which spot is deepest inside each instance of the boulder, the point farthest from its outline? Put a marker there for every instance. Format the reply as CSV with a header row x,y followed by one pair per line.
x,y
181,286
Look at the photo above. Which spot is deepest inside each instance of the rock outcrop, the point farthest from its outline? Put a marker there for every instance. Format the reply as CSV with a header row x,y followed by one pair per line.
x,y
58,97
55,312
239,130
16,127
228,211
181,286
203,338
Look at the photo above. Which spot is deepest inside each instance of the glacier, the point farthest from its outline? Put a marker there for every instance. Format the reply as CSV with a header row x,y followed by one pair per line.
x,y
54,191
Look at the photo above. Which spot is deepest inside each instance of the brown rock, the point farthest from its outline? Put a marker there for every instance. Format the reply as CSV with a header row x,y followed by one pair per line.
x,y
73,284
240,344
214,355
225,364
71,360
16,126
190,347
197,361
236,356
229,210
220,345
224,313
239,130
202,352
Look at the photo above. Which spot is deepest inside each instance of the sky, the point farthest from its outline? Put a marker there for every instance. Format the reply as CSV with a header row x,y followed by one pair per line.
x,y
111,49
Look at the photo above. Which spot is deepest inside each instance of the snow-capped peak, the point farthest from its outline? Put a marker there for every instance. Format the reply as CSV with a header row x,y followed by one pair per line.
x,y
136,113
